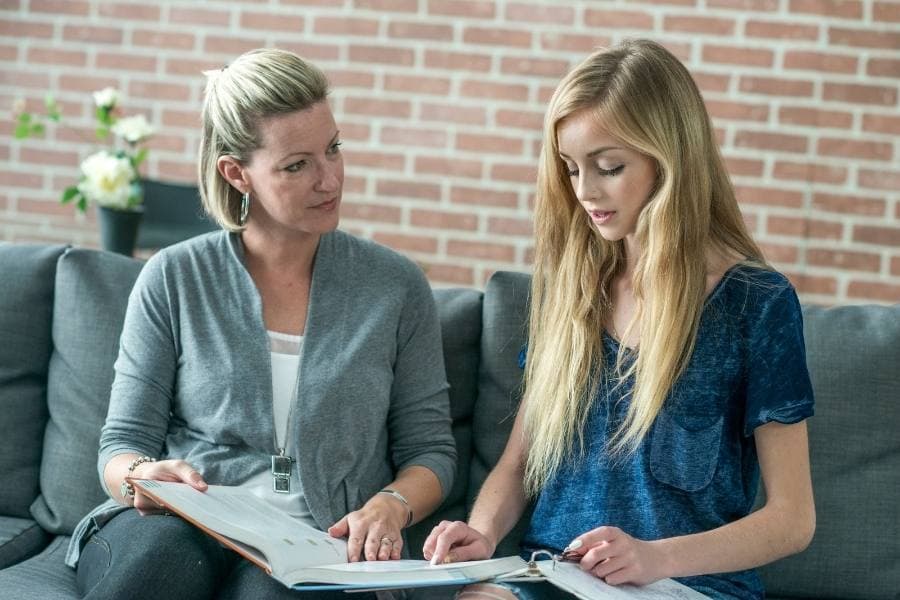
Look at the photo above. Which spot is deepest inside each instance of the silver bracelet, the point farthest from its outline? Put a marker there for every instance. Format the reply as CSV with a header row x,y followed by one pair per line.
x,y
401,498
126,489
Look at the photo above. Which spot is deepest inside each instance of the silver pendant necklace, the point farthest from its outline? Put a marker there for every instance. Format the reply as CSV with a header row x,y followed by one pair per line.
x,y
282,463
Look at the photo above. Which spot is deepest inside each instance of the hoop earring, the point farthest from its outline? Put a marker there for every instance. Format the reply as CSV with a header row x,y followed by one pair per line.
x,y
245,209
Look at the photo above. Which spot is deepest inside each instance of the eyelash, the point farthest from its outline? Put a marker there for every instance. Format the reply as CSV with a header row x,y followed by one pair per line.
x,y
602,172
295,167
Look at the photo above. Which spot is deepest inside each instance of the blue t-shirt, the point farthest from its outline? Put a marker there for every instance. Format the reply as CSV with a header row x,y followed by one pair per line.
x,y
697,467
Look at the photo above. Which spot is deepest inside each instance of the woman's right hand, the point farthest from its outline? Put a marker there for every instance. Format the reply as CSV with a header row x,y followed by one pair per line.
x,y
164,470
456,541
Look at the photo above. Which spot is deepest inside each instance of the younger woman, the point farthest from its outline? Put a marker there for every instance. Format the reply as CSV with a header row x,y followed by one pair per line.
x,y
665,368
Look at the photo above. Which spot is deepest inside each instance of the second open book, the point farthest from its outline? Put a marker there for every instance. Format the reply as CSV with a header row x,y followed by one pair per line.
x,y
304,558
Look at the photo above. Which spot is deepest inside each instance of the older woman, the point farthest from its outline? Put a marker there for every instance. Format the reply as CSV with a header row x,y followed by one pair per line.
x,y
279,354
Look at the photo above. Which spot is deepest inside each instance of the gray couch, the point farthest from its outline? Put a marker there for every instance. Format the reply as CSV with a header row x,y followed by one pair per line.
x,y
60,316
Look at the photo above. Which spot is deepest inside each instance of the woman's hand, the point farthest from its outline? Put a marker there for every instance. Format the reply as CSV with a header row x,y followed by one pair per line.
x,y
163,470
614,556
455,541
374,531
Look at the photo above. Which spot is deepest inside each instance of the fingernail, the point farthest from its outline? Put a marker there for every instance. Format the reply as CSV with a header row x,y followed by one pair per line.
x,y
434,560
575,545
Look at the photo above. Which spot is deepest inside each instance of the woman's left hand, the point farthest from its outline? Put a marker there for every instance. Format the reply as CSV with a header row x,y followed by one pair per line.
x,y
614,556
373,531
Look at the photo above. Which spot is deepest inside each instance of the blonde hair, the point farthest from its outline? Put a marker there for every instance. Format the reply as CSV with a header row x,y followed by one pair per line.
x,y
258,84
646,98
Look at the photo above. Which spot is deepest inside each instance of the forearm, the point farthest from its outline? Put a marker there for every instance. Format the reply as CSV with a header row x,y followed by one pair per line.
x,y
422,490
500,503
114,474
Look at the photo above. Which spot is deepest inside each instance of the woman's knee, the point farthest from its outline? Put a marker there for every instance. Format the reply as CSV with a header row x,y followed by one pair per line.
x,y
485,591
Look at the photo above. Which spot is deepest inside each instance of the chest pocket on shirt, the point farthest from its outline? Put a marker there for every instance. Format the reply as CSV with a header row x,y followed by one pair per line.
x,y
685,449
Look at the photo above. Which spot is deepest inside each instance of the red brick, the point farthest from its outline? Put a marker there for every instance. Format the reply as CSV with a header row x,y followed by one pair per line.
x,y
774,86
309,51
543,15
855,148
516,173
388,5
18,179
346,26
126,61
449,273
56,56
739,111
48,156
474,9
510,226
436,219
406,136
465,61
733,55
844,259
479,196
618,19
809,172
673,2
864,38
520,119
812,117
496,91
388,55
845,9
187,119
156,90
44,206
534,67
401,109
495,36
26,29
812,284
483,144
163,40
879,180
573,42
371,212
874,290
343,78
129,11
848,204
783,31
376,159
355,185
451,113
711,82
93,35
764,140
81,83
450,167
330,3
199,16
820,61
192,68
407,243
860,93
768,196
482,250
392,188
744,166
229,46
745,5
169,143
360,132
271,22
895,265
57,7
805,228
420,31
417,84
780,253
883,67
705,25
886,11
9,53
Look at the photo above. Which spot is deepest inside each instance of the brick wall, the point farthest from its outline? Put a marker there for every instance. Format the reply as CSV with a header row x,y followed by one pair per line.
x,y
440,105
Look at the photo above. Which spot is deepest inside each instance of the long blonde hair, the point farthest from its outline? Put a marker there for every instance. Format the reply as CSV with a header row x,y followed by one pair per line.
x,y
646,98
257,84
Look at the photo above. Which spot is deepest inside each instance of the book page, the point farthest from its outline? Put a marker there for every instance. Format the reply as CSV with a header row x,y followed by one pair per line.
x,y
571,578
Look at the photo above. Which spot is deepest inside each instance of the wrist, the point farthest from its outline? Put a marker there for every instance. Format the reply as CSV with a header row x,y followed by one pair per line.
x,y
405,510
667,558
489,535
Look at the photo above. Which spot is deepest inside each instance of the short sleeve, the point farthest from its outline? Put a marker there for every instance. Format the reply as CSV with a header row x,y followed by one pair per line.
x,y
778,387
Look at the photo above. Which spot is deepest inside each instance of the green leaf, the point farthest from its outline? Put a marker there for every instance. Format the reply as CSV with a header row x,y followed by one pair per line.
x,y
82,203
52,108
69,194
22,131
104,116
25,118
139,157
102,132
37,129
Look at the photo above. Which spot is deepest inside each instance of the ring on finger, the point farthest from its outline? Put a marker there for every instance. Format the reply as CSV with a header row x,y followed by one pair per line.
x,y
387,541
355,540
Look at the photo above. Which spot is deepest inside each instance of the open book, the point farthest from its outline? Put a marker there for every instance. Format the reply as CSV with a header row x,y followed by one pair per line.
x,y
300,556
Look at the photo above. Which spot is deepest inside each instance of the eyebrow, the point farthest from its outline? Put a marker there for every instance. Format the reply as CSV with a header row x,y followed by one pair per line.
x,y
334,138
594,152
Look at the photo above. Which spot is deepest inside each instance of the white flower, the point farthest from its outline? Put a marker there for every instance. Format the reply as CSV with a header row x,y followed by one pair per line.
x,y
107,179
106,98
133,129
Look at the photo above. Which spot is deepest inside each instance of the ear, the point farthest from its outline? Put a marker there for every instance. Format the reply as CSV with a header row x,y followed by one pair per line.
x,y
232,170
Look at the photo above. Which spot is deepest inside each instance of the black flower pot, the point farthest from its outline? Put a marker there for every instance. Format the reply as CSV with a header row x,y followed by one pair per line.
x,y
119,229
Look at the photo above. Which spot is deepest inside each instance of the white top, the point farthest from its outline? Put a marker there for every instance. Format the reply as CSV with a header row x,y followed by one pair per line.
x,y
285,352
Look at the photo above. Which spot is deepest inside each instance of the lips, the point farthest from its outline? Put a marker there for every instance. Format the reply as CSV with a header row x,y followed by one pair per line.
x,y
327,205
601,217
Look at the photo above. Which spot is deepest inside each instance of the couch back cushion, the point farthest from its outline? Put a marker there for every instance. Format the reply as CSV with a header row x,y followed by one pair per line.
x,y
460,314
853,353
91,295
26,311
504,322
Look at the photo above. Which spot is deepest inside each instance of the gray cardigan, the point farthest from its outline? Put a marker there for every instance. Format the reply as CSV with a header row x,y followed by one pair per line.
x,y
193,377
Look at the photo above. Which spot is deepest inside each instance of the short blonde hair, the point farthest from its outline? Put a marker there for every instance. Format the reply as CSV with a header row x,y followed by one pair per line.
x,y
258,84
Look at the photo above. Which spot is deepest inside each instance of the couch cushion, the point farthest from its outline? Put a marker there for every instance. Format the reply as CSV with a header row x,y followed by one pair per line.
x,y
853,353
92,290
504,321
460,313
26,310
44,576
20,539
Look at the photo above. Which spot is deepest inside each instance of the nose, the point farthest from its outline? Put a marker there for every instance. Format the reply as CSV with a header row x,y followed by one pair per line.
x,y
331,176
582,187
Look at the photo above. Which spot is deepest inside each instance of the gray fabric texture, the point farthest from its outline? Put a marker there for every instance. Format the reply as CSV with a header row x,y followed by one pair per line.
x,y
44,576
26,308
20,539
91,292
853,354
504,321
